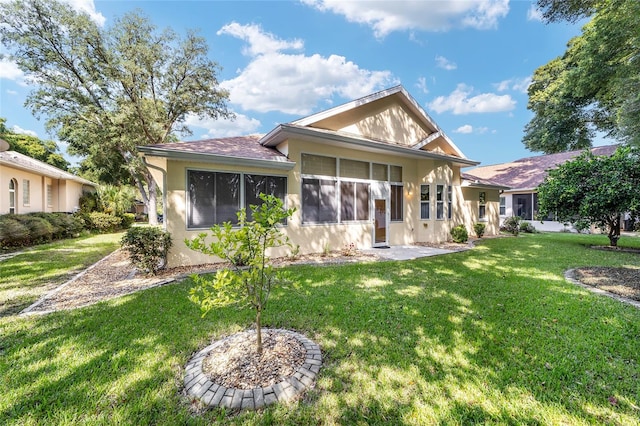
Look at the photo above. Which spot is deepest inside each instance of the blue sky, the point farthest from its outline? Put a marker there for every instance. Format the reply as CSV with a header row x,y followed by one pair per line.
x,y
467,63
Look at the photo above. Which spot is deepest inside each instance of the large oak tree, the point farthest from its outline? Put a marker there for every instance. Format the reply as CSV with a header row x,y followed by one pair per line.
x,y
593,87
108,90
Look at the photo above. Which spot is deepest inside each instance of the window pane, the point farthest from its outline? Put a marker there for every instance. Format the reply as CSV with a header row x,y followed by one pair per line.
x,y
354,169
347,202
201,199
439,210
49,196
482,212
227,195
483,197
449,201
328,208
254,185
503,206
25,192
318,165
522,205
439,192
310,200
379,172
424,192
396,174
362,194
397,203
424,210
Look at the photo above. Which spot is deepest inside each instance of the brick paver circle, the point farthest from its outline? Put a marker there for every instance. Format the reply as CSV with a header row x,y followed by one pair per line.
x,y
198,385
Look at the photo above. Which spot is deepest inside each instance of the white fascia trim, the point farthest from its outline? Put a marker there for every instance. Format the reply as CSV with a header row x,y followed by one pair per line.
x,y
215,158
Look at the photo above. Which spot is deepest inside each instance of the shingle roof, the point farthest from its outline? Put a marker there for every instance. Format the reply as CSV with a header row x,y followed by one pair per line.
x,y
528,173
239,147
23,162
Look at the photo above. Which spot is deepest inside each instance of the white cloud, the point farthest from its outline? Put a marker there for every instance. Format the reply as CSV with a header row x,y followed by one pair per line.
x,y
517,84
20,130
446,64
461,102
295,83
467,128
259,41
389,16
11,92
242,125
88,7
422,85
10,71
534,14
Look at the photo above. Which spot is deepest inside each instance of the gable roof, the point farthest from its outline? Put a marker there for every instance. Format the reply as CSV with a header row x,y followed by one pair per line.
x,y
20,161
263,150
400,96
528,173
239,150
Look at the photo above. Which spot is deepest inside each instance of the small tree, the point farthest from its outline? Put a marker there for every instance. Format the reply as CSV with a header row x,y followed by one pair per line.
x,y
251,275
594,190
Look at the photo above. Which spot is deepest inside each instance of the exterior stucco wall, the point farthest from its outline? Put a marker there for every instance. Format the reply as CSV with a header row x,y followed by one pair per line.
x,y
313,238
65,193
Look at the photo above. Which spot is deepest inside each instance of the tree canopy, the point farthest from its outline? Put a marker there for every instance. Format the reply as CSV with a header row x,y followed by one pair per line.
x,y
31,146
594,190
592,88
108,90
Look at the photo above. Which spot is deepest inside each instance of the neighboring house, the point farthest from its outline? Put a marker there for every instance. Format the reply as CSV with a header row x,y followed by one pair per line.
x,y
29,185
523,178
374,172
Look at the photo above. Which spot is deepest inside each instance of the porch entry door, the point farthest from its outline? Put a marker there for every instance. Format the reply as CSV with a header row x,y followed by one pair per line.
x,y
381,213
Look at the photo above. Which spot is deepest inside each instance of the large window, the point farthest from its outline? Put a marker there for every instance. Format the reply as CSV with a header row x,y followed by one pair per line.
x,y
425,201
319,201
12,196
254,185
439,201
339,190
482,208
26,192
503,206
523,206
354,201
216,197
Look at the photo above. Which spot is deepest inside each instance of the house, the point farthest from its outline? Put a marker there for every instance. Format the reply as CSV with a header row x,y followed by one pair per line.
x,y
374,172
29,185
523,178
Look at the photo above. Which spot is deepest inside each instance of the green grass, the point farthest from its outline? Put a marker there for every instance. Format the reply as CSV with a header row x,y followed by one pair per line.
x,y
37,270
494,335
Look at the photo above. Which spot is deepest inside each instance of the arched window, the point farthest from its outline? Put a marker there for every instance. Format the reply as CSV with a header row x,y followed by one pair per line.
x,y
12,196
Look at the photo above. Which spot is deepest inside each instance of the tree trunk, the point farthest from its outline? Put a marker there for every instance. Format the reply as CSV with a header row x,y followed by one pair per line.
x,y
614,231
258,332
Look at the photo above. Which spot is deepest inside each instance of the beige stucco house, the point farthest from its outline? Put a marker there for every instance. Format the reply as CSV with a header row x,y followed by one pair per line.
x,y
29,185
377,171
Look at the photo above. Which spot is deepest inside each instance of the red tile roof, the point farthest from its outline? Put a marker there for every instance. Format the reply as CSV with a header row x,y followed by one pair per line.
x,y
238,147
528,173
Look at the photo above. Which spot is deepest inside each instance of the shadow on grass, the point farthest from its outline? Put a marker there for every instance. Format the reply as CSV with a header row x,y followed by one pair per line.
x,y
485,336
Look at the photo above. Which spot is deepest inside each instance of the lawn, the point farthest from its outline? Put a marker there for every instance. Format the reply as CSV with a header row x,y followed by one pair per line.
x,y
37,270
494,335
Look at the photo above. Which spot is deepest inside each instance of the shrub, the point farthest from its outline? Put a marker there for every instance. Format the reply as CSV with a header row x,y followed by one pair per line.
x,y
103,222
127,220
148,247
511,225
12,232
479,228
459,234
40,230
527,227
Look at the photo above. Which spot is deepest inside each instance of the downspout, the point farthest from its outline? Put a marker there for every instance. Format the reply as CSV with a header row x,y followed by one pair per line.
x,y
164,190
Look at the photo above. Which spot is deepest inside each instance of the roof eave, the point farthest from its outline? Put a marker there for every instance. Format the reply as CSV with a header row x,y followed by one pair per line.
x,y
216,158
285,131
51,175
